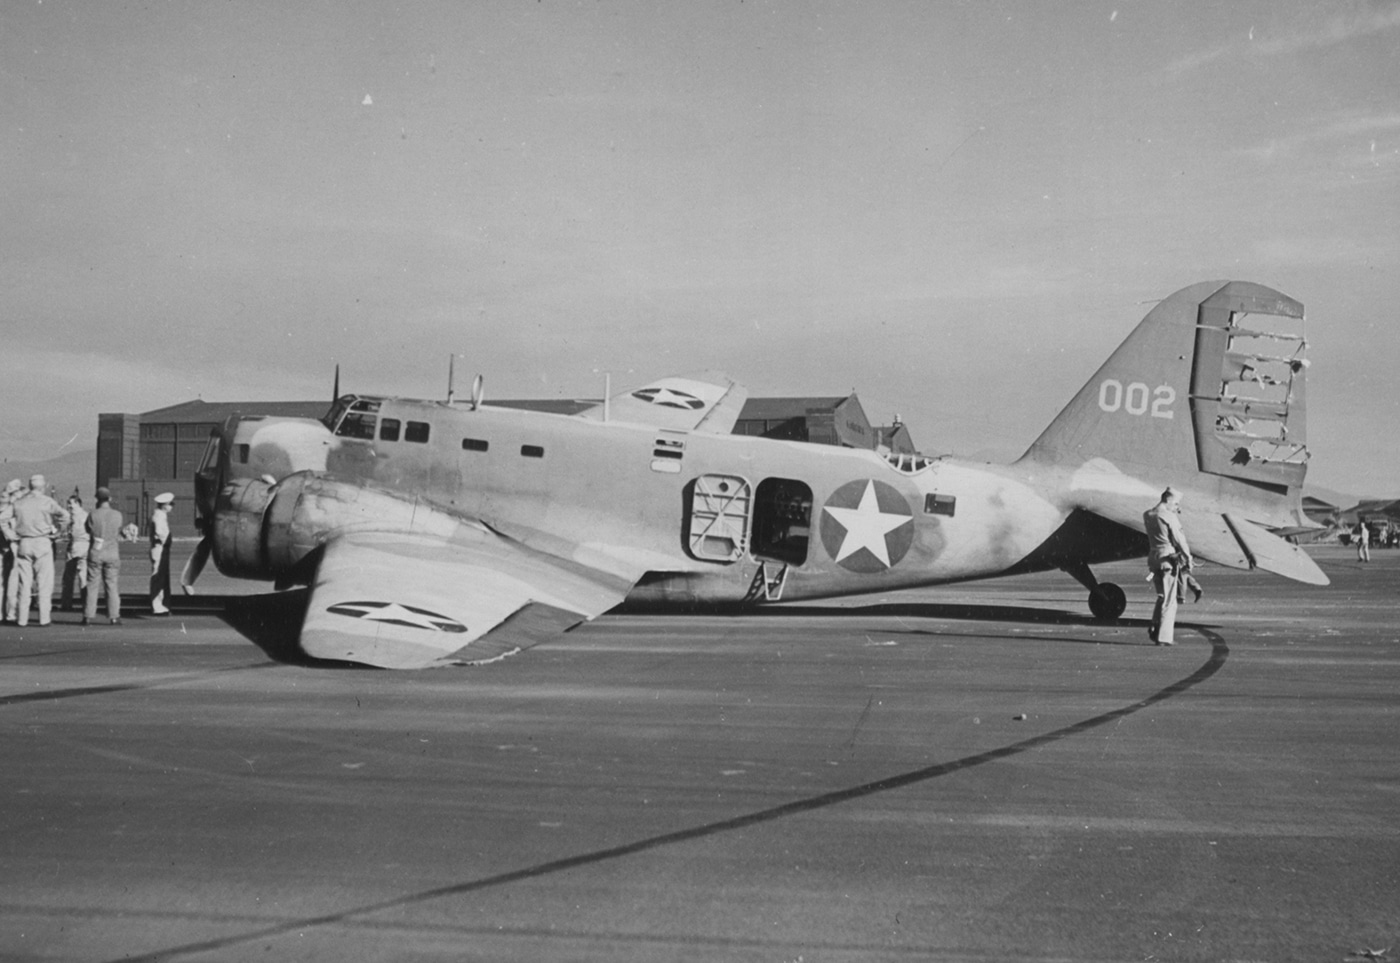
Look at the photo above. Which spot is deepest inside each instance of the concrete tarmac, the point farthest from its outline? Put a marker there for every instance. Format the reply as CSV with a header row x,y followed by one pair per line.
x,y
977,772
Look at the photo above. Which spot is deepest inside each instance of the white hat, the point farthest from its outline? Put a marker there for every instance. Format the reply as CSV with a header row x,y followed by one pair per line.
x,y
14,485
165,498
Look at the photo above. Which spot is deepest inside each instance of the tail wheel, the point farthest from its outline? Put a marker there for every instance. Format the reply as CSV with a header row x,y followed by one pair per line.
x,y
1108,601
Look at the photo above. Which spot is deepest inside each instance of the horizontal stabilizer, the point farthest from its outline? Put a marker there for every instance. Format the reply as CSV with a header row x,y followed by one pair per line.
x,y
1274,554
1210,537
1220,537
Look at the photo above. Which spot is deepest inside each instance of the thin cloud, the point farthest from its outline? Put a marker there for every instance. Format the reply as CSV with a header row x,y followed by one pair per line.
x,y
1368,139
1337,29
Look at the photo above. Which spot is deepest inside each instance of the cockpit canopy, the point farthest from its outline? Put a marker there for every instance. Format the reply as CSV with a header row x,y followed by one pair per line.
x,y
353,416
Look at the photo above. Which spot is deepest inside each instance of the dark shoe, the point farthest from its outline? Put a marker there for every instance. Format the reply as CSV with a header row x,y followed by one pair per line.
x,y
1198,593
85,620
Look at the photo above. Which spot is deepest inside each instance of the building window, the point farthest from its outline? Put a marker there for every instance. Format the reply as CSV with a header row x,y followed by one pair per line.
x,y
475,444
416,431
388,429
532,451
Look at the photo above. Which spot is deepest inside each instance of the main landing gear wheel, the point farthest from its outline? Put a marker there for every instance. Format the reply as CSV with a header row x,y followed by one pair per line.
x,y
1107,601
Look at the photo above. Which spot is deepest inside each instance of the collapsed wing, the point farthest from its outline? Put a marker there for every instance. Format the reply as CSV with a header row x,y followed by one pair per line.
x,y
708,402
409,601
1224,538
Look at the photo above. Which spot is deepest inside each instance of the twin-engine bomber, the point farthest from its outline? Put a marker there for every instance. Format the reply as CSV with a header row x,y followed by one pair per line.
x,y
435,533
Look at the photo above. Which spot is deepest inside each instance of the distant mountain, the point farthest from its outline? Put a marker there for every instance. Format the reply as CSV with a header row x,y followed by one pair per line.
x,y
1331,495
76,469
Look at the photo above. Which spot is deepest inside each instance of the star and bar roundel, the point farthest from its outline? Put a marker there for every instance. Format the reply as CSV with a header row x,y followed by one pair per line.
x,y
867,526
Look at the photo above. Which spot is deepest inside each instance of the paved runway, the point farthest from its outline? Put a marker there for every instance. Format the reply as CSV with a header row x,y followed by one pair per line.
x,y
978,772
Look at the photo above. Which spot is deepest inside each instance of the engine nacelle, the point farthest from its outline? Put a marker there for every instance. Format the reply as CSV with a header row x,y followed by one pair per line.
x,y
264,530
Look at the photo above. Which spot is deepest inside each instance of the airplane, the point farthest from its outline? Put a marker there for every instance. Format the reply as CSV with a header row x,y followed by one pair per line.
x,y
454,532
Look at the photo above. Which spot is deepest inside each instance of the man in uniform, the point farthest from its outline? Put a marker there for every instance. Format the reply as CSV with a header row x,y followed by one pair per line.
x,y
1168,556
9,546
75,568
160,553
38,518
104,559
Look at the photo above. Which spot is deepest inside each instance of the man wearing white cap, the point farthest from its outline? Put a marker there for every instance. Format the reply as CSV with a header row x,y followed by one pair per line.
x,y
38,519
9,546
1168,556
160,553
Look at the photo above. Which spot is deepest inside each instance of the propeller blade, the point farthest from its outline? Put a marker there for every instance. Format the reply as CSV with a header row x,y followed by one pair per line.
x,y
195,565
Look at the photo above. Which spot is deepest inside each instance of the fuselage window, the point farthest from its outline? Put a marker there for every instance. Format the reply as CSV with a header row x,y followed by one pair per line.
x,y
416,431
935,504
475,444
532,451
388,429
782,520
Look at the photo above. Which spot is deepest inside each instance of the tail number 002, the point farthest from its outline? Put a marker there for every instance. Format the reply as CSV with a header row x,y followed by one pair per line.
x,y
1137,398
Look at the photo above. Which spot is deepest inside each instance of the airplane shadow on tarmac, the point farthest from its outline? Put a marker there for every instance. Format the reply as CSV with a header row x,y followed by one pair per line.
x,y
273,622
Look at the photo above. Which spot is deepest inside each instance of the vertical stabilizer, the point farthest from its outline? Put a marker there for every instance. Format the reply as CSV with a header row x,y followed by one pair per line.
x,y
1212,380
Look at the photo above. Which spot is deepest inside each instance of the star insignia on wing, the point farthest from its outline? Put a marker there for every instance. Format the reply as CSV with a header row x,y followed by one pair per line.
x,y
669,398
395,614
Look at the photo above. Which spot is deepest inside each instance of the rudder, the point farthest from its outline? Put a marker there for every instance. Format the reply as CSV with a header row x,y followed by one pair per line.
x,y
1211,380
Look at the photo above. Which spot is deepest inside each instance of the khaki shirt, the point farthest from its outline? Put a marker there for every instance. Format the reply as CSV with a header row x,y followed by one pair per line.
x,y
105,527
1164,537
39,516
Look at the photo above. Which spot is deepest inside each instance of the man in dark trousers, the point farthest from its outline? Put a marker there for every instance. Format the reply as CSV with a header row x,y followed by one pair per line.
x,y
160,553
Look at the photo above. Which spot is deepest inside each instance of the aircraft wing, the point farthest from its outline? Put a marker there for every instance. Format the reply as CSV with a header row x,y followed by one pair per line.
x,y
1224,538
409,601
708,402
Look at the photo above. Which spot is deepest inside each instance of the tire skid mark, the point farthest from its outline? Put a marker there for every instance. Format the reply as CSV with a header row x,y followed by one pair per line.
x,y
1219,652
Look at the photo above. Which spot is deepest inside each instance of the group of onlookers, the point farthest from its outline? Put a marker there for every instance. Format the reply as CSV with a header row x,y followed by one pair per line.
x,y
31,522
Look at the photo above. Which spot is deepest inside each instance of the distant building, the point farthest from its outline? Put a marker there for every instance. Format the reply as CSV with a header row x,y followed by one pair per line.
x,y
141,455
1319,511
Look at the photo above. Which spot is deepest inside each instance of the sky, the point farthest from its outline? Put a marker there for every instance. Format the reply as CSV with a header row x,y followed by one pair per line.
x,y
957,210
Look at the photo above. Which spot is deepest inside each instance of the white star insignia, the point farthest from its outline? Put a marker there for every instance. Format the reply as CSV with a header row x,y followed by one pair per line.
x,y
866,526
394,612
669,398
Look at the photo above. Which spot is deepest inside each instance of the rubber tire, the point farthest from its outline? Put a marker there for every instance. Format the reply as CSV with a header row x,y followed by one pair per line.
x,y
1108,601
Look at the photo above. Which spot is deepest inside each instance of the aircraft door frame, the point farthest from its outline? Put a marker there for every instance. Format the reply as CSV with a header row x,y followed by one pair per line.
x,y
782,521
718,509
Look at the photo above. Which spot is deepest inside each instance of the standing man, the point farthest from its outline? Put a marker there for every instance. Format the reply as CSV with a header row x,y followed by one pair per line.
x,y
9,547
1363,541
1168,556
104,561
75,567
160,553
38,519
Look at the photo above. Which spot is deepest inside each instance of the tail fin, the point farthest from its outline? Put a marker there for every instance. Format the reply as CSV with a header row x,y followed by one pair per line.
x,y
1211,380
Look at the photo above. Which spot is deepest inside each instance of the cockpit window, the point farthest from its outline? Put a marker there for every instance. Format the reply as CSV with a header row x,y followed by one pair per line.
x,y
210,460
357,418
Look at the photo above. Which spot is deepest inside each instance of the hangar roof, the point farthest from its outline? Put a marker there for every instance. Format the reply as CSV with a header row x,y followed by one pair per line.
x,y
201,412
776,408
